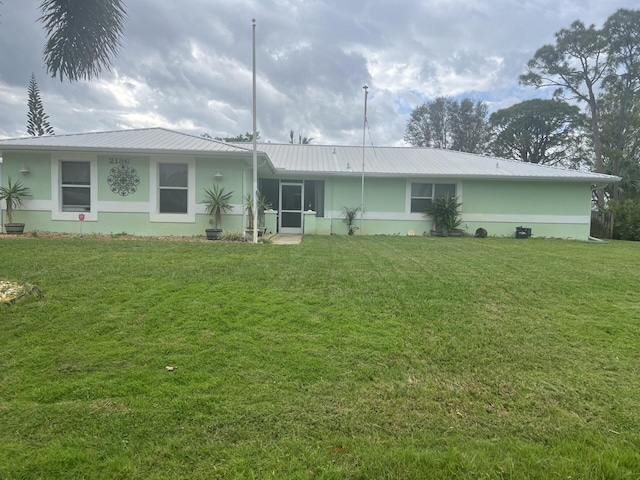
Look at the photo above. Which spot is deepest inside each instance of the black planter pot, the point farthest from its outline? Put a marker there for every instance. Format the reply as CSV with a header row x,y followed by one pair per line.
x,y
213,233
14,228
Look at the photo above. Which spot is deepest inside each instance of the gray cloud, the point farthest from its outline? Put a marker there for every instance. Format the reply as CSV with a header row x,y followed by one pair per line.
x,y
187,65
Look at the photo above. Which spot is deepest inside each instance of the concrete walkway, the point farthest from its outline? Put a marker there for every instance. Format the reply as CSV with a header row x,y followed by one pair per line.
x,y
283,239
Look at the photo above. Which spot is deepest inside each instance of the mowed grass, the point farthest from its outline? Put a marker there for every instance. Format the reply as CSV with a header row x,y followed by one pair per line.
x,y
342,357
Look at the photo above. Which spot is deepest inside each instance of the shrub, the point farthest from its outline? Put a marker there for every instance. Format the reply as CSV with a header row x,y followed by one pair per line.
x,y
350,214
445,212
233,237
626,223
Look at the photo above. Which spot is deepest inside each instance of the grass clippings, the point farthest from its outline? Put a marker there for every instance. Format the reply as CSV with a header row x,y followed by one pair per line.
x,y
11,292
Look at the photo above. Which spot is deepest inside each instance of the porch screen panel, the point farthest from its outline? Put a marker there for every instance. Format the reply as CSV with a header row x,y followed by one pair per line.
x,y
270,188
291,220
314,196
292,197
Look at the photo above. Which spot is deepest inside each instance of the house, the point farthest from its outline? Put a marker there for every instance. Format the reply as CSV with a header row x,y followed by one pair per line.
x,y
151,182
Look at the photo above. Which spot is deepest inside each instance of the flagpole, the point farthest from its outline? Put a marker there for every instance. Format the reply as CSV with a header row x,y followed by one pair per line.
x,y
364,132
255,147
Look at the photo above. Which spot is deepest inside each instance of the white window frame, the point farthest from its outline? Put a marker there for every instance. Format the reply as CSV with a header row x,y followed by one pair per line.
x,y
154,189
56,186
433,182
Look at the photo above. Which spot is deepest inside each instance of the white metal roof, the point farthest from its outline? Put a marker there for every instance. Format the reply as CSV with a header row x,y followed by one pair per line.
x,y
141,140
408,161
314,159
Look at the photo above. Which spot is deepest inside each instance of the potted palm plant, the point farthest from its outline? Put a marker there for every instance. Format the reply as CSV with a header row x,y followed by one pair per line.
x,y
217,203
445,214
13,194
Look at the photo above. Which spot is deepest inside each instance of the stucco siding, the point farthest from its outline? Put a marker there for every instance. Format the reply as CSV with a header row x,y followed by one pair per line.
x,y
527,198
39,178
550,209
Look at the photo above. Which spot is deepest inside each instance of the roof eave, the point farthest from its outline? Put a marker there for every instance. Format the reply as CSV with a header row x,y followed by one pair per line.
x,y
138,151
598,180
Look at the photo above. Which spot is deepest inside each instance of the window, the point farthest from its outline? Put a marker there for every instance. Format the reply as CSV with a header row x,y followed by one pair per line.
x,y
423,193
173,184
76,186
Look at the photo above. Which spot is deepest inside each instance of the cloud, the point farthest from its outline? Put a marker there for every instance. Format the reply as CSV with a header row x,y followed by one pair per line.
x,y
188,65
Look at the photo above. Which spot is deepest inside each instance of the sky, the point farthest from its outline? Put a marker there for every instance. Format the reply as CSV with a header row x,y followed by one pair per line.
x,y
187,65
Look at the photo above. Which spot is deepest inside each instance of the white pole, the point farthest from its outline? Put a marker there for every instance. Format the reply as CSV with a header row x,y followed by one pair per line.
x,y
255,147
364,131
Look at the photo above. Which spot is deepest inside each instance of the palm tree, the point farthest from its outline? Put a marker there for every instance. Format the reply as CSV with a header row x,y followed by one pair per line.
x,y
217,202
82,36
13,194
301,140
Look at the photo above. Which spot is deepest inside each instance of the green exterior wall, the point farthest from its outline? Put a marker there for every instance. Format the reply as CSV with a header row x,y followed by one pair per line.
x,y
526,198
107,163
550,209
39,181
39,178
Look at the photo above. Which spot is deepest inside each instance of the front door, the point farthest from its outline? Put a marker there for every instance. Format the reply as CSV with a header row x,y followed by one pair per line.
x,y
291,208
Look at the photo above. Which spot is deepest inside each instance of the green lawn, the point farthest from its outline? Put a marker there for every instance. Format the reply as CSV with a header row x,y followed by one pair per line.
x,y
342,357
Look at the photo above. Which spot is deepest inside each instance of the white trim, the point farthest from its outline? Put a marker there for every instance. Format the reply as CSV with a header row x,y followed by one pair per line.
x,y
115,207
154,215
401,216
37,205
475,217
518,218
124,207
56,206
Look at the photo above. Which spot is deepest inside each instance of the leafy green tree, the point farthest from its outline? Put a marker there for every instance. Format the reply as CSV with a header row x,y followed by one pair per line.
x,y
82,36
626,214
621,142
575,65
37,120
622,86
448,124
469,125
429,124
539,131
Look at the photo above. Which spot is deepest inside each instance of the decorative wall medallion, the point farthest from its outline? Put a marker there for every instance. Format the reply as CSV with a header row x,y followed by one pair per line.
x,y
123,180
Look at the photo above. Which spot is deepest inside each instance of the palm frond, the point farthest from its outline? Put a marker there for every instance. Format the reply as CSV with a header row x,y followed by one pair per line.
x,y
82,36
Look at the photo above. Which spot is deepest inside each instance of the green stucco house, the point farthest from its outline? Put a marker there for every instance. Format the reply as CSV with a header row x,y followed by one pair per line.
x,y
152,181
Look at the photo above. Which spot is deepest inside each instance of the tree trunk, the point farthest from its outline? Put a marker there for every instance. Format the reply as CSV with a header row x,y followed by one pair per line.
x,y
597,146
619,145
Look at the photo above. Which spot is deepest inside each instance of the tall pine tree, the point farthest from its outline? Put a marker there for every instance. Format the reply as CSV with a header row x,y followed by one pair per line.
x,y
37,124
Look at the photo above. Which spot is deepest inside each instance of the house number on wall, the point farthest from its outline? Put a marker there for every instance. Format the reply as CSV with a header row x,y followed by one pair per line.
x,y
122,179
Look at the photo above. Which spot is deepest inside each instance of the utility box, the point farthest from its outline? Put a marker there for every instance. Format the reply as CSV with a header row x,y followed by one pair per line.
x,y
522,232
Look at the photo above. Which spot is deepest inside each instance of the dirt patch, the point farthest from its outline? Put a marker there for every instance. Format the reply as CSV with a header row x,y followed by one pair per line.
x,y
116,236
